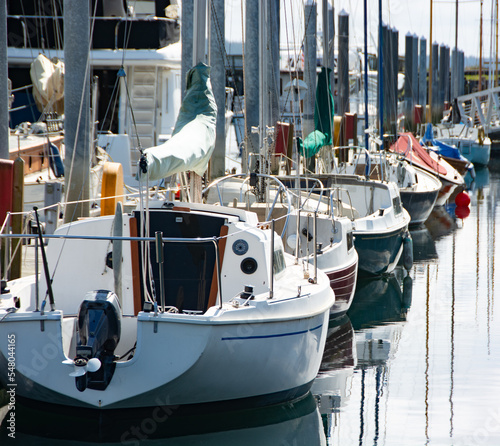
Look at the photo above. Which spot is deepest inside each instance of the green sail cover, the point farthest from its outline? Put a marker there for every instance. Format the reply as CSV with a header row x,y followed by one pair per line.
x,y
193,138
323,118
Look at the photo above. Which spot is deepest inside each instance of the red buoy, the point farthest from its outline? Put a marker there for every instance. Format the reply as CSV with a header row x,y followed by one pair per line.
x,y
462,212
462,199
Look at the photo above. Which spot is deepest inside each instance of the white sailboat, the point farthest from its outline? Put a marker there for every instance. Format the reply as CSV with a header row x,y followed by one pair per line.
x,y
216,313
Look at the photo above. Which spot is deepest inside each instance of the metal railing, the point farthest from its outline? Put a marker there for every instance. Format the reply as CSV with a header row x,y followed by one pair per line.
x,y
482,108
157,239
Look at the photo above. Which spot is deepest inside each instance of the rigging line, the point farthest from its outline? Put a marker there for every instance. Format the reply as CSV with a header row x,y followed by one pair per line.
x,y
55,26
295,62
139,147
126,34
112,101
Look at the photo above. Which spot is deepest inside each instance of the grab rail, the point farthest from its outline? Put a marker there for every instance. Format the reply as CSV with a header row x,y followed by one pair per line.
x,y
155,239
338,190
246,177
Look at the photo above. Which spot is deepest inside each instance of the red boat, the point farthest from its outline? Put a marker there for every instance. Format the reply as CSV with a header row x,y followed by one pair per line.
x,y
408,146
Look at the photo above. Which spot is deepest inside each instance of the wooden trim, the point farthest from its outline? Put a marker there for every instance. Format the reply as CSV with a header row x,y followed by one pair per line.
x,y
214,287
180,208
136,271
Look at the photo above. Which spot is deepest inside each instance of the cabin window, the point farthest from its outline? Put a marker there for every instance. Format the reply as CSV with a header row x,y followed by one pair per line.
x,y
396,202
350,241
279,261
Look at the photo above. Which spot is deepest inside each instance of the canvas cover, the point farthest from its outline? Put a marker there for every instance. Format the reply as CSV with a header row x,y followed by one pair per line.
x,y
47,77
193,138
323,117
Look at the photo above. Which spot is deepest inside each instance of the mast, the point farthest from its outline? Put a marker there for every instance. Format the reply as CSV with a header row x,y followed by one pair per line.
x,y
77,108
4,107
480,82
496,43
251,81
365,16
218,80
199,38
429,110
380,78
454,92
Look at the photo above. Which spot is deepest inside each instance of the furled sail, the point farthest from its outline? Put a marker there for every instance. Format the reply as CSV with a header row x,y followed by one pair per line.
x,y
323,117
193,138
48,83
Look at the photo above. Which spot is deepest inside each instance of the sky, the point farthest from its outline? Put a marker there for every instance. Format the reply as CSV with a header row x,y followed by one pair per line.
x,y
407,16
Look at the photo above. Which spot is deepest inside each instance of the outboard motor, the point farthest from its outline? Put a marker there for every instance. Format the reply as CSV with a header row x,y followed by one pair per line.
x,y
99,326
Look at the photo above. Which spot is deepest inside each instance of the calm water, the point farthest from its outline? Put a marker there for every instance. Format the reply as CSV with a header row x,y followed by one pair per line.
x,y
416,361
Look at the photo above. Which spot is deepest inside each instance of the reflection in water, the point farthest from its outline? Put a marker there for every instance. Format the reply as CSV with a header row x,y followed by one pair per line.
x,y
440,223
293,423
424,248
381,300
377,314
334,379
481,180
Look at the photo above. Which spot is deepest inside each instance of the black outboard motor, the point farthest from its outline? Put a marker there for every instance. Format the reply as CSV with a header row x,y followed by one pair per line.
x,y
99,326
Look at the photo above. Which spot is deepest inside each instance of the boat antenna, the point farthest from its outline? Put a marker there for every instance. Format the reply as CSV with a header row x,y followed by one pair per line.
x,y
45,264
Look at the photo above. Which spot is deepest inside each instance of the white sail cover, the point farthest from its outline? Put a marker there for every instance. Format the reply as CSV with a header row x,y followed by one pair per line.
x,y
48,83
193,139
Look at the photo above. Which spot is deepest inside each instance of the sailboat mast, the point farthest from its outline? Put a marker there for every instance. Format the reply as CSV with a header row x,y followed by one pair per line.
x,y
199,52
380,78
496,43
429,110
4,107
264,115
480,82
77,108
365,16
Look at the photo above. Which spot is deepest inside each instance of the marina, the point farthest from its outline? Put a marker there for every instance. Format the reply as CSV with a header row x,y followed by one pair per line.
x,y
415,361
216,240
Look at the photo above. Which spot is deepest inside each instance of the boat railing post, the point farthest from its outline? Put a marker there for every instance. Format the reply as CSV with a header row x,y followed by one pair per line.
x,y
159,260
271,282
37,291
297,237
315,234
217,262
5,245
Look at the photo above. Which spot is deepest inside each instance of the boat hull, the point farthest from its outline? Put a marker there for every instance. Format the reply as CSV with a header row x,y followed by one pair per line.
x,y
343,283
181,363
418,204
379,252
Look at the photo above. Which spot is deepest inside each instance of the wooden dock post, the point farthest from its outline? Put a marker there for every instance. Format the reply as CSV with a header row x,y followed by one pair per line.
x,y
17,218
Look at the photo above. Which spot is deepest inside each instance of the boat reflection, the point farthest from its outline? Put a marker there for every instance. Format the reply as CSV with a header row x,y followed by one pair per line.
x,y
331,387
333,380
296,422
440,223
482,178
381,300
379,307
424,248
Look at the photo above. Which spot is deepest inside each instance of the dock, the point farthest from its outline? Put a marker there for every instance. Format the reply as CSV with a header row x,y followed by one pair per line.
x,y
482,109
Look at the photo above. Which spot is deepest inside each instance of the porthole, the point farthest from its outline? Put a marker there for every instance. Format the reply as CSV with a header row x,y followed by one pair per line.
x,y
249,265
240,247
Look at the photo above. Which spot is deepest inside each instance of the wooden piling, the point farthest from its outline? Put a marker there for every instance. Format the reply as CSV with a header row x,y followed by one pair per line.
x,y
17,218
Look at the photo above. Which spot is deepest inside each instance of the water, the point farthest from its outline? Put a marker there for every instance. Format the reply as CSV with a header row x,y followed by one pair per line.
x,y
415,362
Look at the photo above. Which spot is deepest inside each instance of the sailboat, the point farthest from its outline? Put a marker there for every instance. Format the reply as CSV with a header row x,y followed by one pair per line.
x,y
171,304
418,189
315,230
409,147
